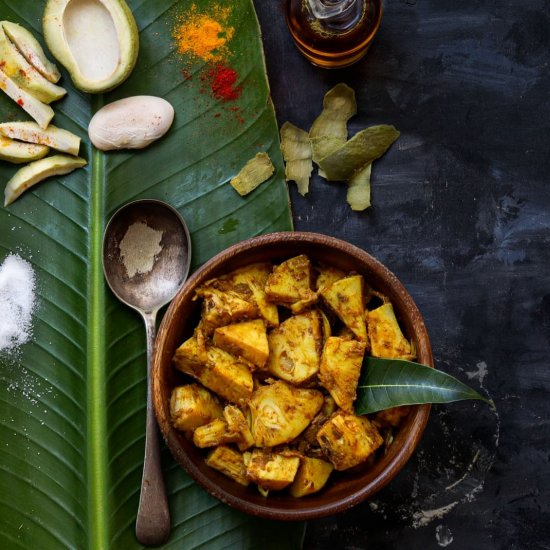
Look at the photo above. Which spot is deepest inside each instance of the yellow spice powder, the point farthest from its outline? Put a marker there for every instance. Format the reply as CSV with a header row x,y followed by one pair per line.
x,y
204,35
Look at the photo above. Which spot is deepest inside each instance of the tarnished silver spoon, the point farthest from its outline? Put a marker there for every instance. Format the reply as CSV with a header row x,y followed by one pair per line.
x,y
146,258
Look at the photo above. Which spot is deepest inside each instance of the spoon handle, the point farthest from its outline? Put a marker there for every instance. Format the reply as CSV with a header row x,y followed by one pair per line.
x,y
153,516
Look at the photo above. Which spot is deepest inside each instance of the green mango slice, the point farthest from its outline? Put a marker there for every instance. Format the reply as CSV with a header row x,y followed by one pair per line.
x,y
52,136
18,152
39,170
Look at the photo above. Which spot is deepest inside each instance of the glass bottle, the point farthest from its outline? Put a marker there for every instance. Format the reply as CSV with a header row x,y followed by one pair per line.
x,y
333,33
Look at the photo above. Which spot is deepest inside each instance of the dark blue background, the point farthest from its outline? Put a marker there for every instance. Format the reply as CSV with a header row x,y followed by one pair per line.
x,y
461,214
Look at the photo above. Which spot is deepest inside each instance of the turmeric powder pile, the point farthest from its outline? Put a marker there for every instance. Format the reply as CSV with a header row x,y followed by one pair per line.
x,y
204,35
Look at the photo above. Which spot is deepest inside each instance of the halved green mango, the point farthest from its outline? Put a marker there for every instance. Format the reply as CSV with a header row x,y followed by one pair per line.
x,y
18,152
37,171
97,41
31,50
52,136
15,66
39,111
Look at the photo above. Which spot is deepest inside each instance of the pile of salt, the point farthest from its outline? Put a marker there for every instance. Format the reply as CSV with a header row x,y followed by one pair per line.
x,y
17,302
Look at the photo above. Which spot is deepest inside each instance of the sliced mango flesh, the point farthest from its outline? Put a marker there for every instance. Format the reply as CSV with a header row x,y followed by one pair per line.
x,y
39,170
53,137
31,50
18,152
15,66
36,109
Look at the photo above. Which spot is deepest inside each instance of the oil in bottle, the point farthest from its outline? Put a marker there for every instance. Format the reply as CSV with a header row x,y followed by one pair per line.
x,y
333,33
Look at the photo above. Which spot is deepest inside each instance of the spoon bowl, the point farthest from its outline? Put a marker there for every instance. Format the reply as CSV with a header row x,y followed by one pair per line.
x,y
146,259
146,290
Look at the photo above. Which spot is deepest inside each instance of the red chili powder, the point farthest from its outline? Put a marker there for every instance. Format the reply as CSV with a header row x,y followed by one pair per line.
x,y
222,82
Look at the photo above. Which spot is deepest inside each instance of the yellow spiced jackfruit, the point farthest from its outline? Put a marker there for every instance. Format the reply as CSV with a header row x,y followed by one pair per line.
x,y
386,337
311,477
346,298
230,462
340,368
295,347
347,440
290,281
272,470
247,339
280,412
192,406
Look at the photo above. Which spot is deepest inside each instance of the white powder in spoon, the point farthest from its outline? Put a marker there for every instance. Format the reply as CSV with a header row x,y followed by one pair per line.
x,y
139,248
17,301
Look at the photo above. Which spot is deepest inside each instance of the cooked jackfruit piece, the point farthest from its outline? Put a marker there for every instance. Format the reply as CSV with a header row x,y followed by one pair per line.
x,y
340,368
290,281
249,282
213,434
192,406
190,357
345,332
280,412
302,305
327,275
255,276
346,298
295,347
267,310
327,329
238,424
247,339
230,462
391,418
311,477
220,371
221,308
227,376
386,338
272,470
347,440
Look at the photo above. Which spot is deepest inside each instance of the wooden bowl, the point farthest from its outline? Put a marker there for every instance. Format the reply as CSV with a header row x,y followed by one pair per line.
x,y
345,489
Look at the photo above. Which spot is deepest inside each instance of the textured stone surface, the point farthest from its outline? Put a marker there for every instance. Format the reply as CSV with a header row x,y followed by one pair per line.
x,y
461,214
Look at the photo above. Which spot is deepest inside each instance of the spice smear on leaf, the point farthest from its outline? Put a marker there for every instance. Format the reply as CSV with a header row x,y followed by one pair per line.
x,y
203,38
204,35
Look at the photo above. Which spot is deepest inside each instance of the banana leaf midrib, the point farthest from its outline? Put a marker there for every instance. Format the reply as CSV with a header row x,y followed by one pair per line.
x,y
96,454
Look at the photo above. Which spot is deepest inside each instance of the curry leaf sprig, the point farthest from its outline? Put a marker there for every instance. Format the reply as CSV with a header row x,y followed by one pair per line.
x,y
386,383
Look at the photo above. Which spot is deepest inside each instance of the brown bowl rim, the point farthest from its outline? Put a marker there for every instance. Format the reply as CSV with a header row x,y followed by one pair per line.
x,y
420,412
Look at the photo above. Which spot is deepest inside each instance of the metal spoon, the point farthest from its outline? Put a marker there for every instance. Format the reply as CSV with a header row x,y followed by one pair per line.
x,y
146,257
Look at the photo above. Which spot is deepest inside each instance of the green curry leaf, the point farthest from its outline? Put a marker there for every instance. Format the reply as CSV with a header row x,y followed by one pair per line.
x,y
386,383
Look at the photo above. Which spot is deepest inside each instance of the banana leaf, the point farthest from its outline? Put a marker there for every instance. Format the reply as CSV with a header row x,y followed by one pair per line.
x,y
72,401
